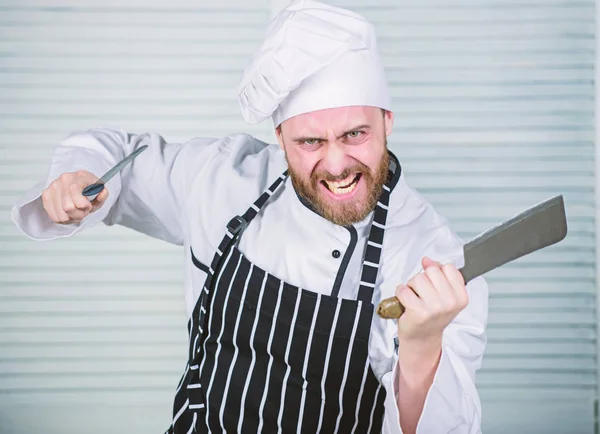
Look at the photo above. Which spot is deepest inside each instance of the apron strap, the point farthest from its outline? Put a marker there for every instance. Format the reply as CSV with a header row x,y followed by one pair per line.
x,y
372,258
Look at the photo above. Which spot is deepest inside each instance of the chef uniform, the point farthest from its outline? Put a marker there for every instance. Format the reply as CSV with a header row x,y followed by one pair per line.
x,y
282,331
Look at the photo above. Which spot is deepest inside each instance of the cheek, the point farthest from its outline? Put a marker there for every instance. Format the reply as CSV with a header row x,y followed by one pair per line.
x,y
369,156
301,164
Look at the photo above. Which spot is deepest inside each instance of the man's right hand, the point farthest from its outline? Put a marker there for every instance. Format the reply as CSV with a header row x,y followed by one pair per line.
x,y
64,202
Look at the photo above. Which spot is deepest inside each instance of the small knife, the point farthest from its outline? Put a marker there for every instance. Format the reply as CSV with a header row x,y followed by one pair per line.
x,y
538,227
92,191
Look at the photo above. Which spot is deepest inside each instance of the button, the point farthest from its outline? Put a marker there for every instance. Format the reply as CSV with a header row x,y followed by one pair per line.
x,y
336,254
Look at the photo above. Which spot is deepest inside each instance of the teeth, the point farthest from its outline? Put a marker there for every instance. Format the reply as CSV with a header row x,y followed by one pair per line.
x,y
338,186
337,190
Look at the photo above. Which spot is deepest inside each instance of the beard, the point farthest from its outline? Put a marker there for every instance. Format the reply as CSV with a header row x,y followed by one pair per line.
x,y
348,212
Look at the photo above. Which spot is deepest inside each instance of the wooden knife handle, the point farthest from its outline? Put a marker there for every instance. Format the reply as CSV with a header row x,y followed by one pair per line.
x,y
390,308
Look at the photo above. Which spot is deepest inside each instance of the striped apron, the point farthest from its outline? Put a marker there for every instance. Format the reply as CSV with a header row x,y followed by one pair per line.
x,y
267,356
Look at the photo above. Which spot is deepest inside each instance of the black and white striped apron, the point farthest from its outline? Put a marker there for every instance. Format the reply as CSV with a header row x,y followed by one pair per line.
x,y
267,356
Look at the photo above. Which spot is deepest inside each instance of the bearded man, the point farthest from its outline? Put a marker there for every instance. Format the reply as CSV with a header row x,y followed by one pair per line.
x,y
288,248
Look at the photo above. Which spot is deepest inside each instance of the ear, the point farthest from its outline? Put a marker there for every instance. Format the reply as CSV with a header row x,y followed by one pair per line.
x,y
388,119
279,135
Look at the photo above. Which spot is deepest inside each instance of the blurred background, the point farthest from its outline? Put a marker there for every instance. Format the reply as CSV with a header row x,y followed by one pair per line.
x,y
494,104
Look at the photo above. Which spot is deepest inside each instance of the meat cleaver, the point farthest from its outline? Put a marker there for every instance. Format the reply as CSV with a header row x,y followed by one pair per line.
x,y
538,227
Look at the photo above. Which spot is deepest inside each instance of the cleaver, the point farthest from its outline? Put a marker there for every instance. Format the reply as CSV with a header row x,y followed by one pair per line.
x,y
538,227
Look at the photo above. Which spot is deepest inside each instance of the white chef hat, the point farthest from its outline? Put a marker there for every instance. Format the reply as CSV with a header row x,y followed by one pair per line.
x,y
315,56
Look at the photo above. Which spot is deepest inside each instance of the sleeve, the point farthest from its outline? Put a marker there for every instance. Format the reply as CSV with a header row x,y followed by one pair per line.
x,y
148,195
452,405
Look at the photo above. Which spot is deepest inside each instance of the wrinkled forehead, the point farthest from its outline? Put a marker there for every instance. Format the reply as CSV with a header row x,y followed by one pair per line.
x,y
334,121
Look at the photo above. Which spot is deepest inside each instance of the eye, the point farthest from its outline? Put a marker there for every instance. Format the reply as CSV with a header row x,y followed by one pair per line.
x,y
310,144
354,134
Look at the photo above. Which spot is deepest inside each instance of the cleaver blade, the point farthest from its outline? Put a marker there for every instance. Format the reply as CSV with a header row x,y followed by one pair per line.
x,y
538,227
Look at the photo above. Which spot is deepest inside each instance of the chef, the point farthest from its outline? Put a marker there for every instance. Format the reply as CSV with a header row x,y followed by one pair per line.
x,y
289,247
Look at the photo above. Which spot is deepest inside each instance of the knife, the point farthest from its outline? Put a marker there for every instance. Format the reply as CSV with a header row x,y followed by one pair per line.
x,y
538,227
91,191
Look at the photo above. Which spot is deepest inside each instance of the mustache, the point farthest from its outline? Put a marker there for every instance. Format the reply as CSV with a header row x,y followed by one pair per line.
x,y
326,176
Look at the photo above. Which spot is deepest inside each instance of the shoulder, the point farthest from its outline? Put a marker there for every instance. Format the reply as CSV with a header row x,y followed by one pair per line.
x,y
236,171
234,151
234,156
415,229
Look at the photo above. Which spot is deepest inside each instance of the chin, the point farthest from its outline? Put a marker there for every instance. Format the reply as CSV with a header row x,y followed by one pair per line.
x,y
345,213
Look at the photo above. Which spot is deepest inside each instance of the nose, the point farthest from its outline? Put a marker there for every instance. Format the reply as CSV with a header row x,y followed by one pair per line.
x,y
334,158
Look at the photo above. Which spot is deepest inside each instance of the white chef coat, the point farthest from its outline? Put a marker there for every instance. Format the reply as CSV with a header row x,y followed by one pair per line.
x,y
186,193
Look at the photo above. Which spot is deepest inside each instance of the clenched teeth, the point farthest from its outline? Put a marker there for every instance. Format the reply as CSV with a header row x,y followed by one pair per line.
x,y
344,186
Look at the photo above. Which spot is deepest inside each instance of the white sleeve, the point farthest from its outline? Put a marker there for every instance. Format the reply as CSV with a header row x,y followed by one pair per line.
x,y
147,196
452,405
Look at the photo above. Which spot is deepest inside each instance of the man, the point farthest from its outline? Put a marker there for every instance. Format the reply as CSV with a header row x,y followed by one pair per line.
x,y
289,248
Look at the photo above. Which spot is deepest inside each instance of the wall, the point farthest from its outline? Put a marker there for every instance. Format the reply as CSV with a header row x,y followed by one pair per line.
x,y
495,112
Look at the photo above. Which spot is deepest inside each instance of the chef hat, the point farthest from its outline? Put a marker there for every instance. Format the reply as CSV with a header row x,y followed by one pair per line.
x,y
314,57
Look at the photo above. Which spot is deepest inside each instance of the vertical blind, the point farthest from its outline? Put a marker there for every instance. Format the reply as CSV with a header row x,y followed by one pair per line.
x,y
494,104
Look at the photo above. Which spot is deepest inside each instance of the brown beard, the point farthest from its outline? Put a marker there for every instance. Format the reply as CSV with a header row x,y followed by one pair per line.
x,y
343,214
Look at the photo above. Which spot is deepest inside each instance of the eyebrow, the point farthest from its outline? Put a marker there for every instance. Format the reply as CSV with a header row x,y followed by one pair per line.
x,y
356,128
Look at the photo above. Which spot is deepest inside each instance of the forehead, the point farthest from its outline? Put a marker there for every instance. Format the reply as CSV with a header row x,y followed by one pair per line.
x,y
334,119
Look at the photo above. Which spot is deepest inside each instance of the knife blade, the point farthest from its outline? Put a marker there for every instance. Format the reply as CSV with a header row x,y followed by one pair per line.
x,y
536,228
92,191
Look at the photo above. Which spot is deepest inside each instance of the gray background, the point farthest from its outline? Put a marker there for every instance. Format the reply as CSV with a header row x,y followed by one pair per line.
x,y
494,102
